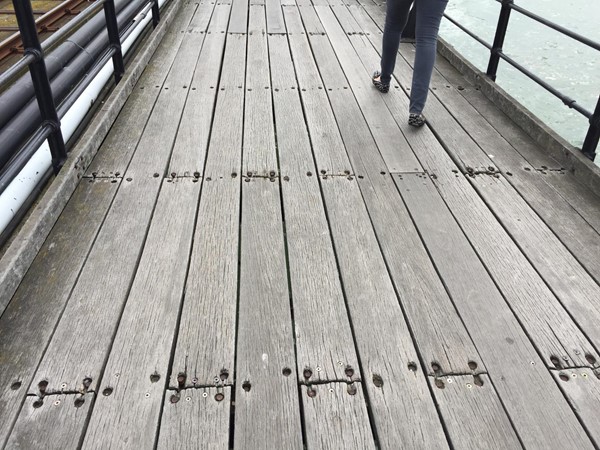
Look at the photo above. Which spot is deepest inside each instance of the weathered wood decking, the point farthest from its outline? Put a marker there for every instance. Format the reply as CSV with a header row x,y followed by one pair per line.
x,y
264,255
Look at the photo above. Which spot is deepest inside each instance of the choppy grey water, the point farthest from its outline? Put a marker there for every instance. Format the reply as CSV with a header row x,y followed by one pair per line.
x,y
567,65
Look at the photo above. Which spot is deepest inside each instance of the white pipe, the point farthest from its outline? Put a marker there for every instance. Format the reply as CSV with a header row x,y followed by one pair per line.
x,y
21,187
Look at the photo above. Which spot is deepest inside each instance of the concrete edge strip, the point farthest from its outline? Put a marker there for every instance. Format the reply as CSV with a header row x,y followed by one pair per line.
x,y
586,172
30,236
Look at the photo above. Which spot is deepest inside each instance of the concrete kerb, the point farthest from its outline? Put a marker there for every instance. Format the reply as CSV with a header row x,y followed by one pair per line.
x,y
571,158
30,236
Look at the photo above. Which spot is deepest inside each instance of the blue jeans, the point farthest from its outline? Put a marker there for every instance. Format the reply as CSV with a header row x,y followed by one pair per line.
x,y
429,15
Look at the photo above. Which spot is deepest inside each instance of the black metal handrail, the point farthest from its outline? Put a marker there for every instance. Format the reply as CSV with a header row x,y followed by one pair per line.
x,y
34,60
590,143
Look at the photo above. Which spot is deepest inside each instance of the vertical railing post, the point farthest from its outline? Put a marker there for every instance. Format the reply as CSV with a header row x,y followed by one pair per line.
x,y
41,83
114,38
590,144
499,39
155,14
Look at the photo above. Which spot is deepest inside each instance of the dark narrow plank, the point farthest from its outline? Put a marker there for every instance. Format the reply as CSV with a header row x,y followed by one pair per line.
x,y
390,363
265,379
132,388
529,394
121,142
389,139
206,341
582,389
260,158
196,418
55,424
543,316
29,320
426,303
488,426
382,336
340,409
189,151
238,23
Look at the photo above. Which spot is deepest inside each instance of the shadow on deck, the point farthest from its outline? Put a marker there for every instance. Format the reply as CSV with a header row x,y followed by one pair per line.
x,y
263,254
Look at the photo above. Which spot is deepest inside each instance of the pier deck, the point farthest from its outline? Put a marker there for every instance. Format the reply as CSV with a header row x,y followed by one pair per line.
x,y
263,254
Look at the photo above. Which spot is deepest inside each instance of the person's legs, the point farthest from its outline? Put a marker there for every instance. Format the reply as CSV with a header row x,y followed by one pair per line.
x,y
429,16
396,17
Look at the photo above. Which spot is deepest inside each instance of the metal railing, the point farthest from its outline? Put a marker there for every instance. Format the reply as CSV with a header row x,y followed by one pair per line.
x,y
34,60
592,137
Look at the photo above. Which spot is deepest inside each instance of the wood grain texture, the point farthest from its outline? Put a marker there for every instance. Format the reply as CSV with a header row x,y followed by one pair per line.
x,y
27,324
206,340
336,419
265,357
131,393
92,314
196,419
191,144
56,424
582,389
539,311
121,142
260,158
473,413
402,407
525,386
225,148
566,277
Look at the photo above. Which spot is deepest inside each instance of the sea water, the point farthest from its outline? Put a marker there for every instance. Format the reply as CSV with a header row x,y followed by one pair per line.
x,y
567,65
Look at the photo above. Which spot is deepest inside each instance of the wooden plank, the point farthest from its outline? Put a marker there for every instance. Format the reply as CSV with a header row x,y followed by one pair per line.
x,y
324,131
487,426
382,336
566,277
155,146
582,389
224,155
132,388
55,423
260,158
275,21
29,320
538,309
265,357
528,392
389,360
120,144
238,23
391,143
92,314
335,417
196,418
206,341
191,144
